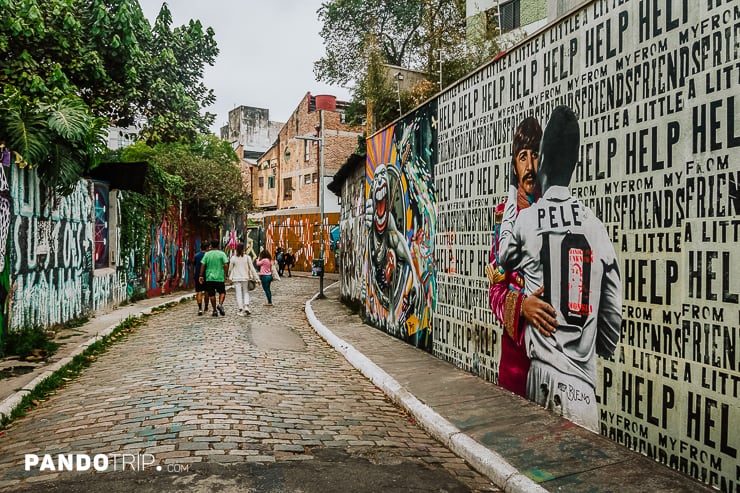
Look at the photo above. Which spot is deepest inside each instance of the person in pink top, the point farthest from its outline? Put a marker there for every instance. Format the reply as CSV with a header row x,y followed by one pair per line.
x,y
506,293
264,262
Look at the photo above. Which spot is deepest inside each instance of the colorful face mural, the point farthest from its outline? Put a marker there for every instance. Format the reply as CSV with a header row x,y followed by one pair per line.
x,y
401,223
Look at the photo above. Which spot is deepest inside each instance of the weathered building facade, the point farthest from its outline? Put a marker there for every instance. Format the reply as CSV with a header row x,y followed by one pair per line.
x,y
288,184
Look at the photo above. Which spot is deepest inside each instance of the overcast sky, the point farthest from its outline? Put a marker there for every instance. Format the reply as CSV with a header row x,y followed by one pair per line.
x,y
267,50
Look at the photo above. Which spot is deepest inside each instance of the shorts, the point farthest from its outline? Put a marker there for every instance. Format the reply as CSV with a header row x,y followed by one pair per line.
x,y
563,394
199,286
212,287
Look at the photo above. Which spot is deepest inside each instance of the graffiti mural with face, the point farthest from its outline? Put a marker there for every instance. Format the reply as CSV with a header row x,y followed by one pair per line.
x,y
400,224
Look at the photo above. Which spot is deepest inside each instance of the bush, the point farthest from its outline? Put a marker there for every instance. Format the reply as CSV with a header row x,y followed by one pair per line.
x,y
28,341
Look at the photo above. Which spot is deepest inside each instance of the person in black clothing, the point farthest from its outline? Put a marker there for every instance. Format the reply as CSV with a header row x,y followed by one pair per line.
x,y
280,259
289,260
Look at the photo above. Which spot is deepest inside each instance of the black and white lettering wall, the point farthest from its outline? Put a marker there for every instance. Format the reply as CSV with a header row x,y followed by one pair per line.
x,y
656,87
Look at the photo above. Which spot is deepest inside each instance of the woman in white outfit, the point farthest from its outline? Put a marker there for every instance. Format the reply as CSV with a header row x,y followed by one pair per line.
x,y
241,271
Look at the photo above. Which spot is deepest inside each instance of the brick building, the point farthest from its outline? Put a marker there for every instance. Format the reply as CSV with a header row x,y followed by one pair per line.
x,y
287,173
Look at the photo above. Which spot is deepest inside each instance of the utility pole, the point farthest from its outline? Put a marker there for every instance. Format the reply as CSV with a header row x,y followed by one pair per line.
x,y
320,140
440,68
399,78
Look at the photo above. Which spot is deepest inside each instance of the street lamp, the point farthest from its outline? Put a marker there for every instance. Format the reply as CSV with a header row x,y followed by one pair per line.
x,y
320,140
399,78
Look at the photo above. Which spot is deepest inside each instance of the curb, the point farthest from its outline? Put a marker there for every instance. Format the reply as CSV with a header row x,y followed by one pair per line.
x,y
482,459
9,403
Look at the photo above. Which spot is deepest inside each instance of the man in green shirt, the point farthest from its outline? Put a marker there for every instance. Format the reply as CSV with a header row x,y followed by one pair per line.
x,y
213,270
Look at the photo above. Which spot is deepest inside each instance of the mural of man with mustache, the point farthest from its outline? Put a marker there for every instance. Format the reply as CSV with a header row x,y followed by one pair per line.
x,y
560,244
506,297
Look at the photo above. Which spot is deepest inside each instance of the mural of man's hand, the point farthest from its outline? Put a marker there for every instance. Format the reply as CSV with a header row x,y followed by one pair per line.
x,y
494,273
539,313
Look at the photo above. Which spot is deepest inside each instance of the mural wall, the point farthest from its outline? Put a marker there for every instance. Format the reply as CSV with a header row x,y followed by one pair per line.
x,y
51,244
655,88
400,216
170,255
302,234
352,238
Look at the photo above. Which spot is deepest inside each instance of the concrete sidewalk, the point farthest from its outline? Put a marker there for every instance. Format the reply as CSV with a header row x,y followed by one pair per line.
x,y
517,444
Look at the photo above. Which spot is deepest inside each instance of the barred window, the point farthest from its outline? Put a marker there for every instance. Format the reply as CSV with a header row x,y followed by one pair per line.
x,y
510,18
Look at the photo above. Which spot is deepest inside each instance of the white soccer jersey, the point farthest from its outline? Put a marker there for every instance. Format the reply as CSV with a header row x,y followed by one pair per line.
x,y
560,244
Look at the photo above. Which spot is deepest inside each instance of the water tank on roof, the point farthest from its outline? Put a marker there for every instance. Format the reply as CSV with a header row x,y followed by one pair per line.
x,y
326,102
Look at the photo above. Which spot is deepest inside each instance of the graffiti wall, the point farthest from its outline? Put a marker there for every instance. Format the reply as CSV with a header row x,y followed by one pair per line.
x,y
6,209
302,234
352,238
169,256
51,246
400,218
635,251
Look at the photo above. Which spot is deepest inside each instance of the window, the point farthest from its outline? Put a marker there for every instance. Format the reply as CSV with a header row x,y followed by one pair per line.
x,y
262,181
288,188
315,177
307,178
270,182
510,15
306,150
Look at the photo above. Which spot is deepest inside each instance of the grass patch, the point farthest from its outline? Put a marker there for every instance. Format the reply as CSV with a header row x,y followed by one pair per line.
x,y
69,371
29,342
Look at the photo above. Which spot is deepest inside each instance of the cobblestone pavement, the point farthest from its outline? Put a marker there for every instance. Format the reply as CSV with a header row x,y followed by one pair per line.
x,y
228,390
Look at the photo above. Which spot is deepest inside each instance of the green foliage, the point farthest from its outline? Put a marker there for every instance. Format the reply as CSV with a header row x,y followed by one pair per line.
x,y
58,138
352,29
140,211
210,181
174,81
363,36
105,54
27,341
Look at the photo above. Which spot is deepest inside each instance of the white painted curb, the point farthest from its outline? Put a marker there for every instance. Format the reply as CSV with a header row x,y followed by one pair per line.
x,y
9,403
481,458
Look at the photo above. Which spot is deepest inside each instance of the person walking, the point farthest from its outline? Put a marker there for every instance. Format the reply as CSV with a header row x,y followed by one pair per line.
x,y
289,261
280,259
264,262
200,287
241,271
213,270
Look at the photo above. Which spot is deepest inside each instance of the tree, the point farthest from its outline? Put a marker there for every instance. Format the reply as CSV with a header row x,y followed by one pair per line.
x,y
360,37
106,53
176,94
352,29
59,138
208,168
